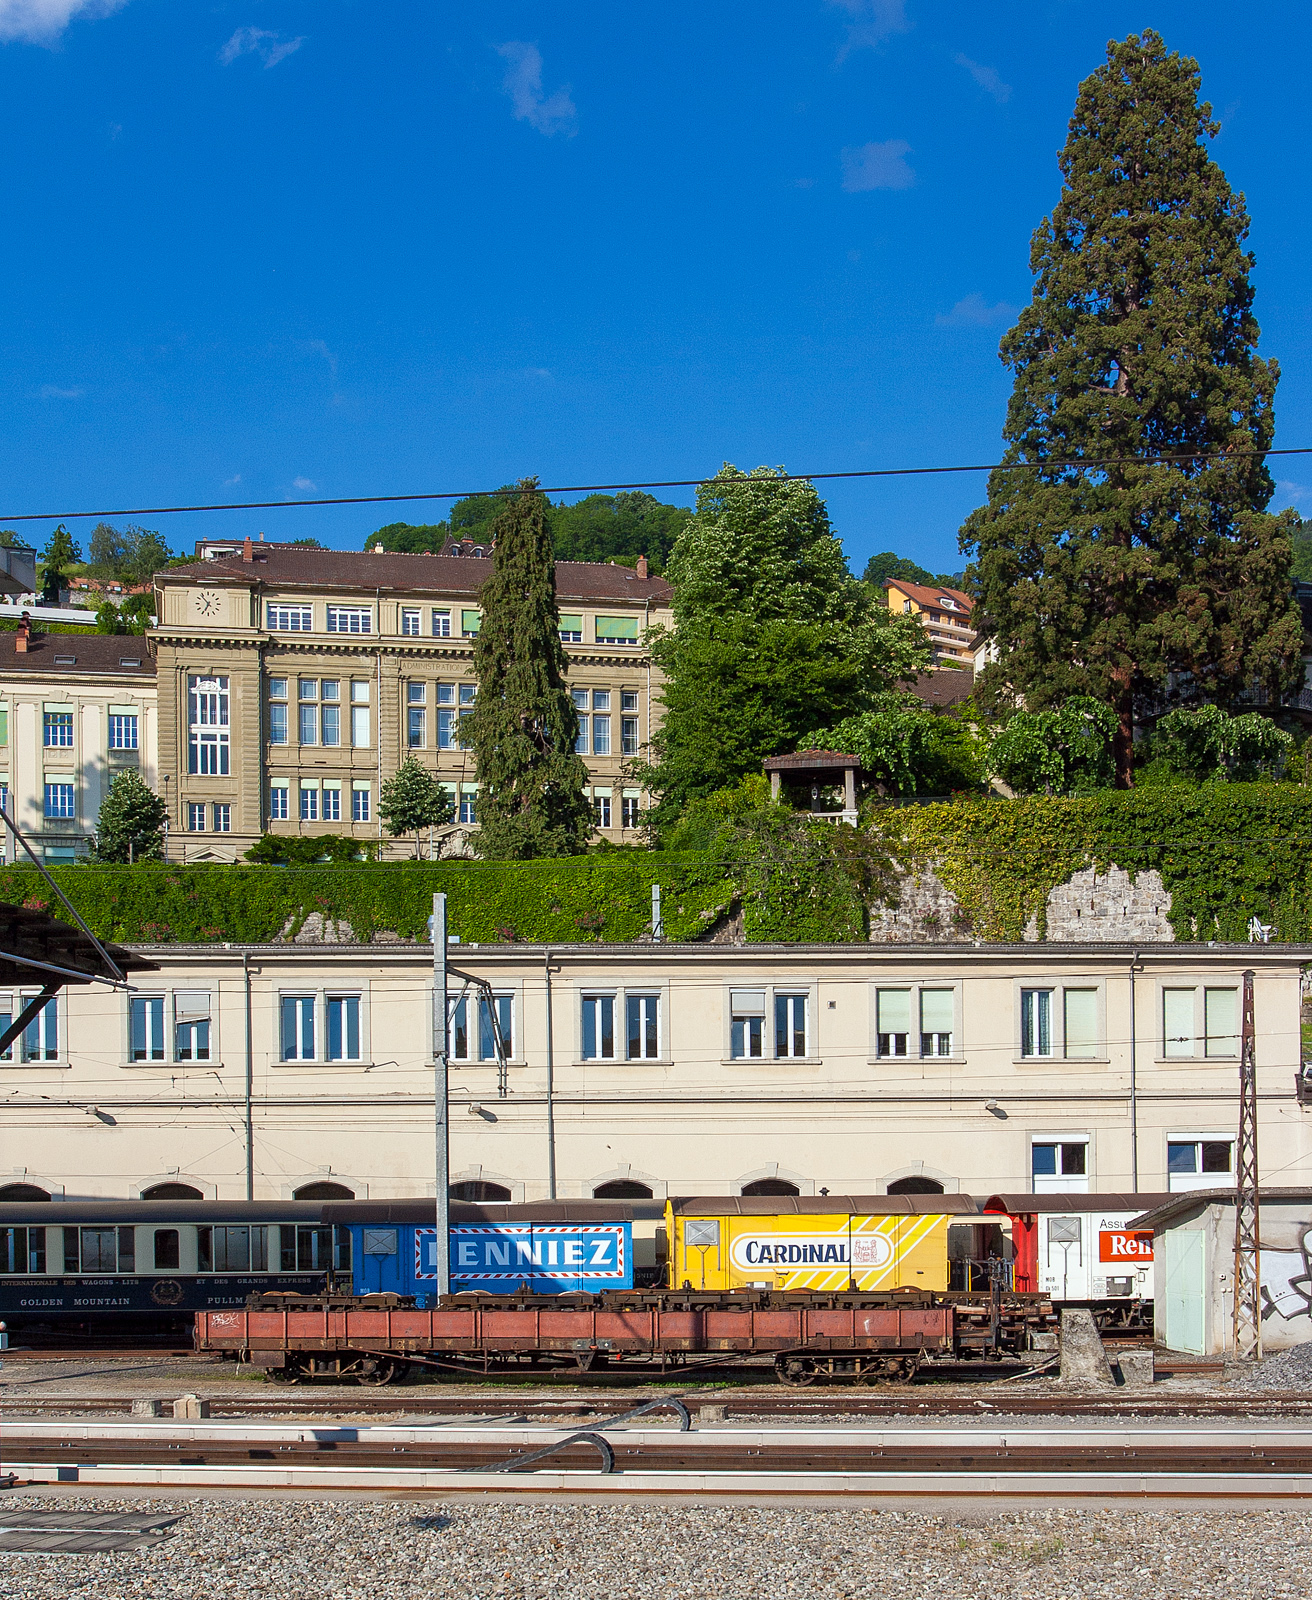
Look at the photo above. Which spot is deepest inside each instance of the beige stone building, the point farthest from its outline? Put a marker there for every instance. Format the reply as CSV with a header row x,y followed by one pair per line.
x,y
673,1069
293,682
75,711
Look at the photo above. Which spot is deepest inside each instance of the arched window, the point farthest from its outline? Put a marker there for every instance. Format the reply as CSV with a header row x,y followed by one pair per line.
x,y
172,1191
22,1191
771,1186
323,1191
621,1189
915,1186
476,1189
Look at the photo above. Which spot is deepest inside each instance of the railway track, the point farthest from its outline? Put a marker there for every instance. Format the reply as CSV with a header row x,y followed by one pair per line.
x,y
506,1455
768,1402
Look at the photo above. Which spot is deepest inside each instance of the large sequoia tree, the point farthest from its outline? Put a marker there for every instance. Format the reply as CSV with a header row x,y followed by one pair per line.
x,y
1139,342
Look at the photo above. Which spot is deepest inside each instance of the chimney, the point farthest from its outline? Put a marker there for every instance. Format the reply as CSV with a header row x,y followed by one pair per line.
x,y
23,638
642,566
247,554
378,549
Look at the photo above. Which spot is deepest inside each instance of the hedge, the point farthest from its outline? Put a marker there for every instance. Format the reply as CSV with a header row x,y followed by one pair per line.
x,y
585,898
1225,853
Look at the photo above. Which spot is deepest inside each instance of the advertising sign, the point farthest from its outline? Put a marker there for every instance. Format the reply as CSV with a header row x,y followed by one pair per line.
x,y
550,1256
794,1251
1130,1246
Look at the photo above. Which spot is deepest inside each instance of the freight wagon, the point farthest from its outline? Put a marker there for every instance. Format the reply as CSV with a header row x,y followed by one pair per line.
x,y
878,1242
547,1246
1080,1250
807,1336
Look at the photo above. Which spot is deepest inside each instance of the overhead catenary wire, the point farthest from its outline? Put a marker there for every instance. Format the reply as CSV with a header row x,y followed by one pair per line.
x,y
1057,464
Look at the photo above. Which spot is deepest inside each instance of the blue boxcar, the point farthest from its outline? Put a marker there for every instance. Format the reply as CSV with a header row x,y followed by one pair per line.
x,y
553,1247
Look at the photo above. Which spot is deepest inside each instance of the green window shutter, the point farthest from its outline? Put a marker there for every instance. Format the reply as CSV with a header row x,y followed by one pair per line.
x,y
617,630
1221,1015
470,621
1178,1020
4,724
894,1010
1081,1023
571,623
936,1010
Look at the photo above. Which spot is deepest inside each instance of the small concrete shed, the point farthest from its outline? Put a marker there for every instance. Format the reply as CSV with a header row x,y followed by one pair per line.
x,y
1194,1253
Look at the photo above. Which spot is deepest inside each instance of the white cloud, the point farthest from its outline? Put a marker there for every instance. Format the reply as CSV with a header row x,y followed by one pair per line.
x,y
975,312
872,22
523,83
304,485
231,483
986,77
42,21
877,166
52,391
270,47
319,347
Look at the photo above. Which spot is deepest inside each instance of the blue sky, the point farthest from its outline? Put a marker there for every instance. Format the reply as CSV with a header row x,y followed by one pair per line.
x,y
271,248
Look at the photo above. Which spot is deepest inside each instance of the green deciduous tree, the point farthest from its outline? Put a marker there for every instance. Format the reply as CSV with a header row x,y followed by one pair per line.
x,y
524,726
905,748
774,638
1209,745
887,564
60,554
132,555
1139,342
412,800
130,827
1057,752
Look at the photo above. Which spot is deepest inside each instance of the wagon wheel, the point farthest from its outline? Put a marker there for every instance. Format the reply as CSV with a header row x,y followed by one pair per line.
x,y
795,1371
374,1371
902,1369
293,1372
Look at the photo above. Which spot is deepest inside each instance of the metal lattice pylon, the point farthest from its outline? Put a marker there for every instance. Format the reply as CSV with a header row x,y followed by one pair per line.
x,y
1248,1255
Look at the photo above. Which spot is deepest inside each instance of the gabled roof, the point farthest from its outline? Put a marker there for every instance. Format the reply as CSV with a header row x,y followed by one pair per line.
x,y
122,655
931,597
946,686
297,567
812,761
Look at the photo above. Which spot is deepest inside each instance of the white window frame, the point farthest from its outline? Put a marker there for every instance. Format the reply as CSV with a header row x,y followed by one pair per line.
x,y
350,619
152,999
1200,985
1188,1182
803,985
472,1000
222,817
280,617
206,732
1058,986
56,781
19,1000
913,987
441,622
361,812
285,790
319,996
411,620
308,786
123,724
1062,1183
330,786
212,1058
195,816
620,994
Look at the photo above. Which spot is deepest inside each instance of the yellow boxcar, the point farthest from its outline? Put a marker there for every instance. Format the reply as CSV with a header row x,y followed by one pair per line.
x,y
820,1242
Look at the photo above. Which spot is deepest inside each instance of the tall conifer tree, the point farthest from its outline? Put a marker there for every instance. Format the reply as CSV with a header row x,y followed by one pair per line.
x,y
1139,341
524,726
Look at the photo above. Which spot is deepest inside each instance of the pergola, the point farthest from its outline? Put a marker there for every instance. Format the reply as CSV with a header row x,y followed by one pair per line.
x,y
820,769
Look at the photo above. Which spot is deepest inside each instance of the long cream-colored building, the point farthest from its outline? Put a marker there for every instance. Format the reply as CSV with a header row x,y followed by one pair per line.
x,y
662,1069
293,682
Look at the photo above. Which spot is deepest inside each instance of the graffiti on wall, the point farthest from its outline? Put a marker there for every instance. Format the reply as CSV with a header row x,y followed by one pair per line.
x,y
1287,1278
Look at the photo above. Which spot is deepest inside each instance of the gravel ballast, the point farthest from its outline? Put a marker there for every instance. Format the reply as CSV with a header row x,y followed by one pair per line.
x,y
358,1550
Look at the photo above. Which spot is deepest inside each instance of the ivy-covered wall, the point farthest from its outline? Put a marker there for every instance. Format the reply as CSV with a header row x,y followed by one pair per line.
x,y
1224,851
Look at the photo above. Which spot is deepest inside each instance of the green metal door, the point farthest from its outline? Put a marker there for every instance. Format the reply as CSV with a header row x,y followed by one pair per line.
x,y
1182,1293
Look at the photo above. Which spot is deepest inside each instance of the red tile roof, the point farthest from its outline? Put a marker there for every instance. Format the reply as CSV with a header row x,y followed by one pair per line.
x,y
948,686
296,567
929,597
79,652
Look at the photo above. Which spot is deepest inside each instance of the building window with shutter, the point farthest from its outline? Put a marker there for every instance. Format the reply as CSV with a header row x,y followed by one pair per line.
x,y
892,1021
937,1008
